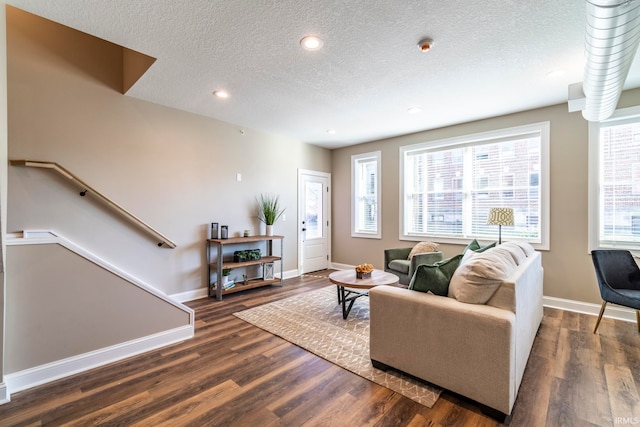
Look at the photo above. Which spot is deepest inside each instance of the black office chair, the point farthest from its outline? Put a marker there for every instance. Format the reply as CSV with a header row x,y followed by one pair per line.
x,y
619,280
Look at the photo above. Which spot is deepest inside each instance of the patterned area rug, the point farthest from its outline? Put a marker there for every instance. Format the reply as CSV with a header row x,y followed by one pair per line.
x,y
313,321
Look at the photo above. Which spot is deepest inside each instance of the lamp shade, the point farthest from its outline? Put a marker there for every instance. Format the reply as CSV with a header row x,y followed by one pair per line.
x,y
500,216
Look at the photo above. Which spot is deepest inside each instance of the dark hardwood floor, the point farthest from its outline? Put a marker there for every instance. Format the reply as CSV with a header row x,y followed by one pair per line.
x,y
234,374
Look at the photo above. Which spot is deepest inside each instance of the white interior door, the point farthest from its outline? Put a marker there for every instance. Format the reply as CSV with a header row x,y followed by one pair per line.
x,y
313,221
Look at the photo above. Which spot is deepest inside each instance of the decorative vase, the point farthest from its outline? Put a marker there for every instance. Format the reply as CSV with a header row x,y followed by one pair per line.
x,y
269,229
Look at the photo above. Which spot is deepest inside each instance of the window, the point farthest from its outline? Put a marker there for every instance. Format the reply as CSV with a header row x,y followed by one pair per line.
x,y
365,192
448,186
507,182
614,178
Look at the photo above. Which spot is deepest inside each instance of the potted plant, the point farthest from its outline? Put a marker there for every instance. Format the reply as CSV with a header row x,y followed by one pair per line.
x,y
246,255
239,256
269,210
225,275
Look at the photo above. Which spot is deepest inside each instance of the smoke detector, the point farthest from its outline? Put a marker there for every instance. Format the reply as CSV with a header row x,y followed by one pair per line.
x,y
425,44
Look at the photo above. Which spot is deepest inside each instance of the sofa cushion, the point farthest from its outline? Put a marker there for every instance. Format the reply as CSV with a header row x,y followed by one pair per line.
x,y
423,247
477,279
516,251
435,278
526,247
401,265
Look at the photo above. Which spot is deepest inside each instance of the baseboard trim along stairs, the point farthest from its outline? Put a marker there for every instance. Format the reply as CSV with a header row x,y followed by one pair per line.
x,y
21,380
62,368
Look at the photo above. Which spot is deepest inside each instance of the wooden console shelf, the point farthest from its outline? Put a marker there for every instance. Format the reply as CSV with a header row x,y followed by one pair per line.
x,y
216,263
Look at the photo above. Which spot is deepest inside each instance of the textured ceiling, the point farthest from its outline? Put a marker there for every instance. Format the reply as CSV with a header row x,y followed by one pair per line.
x,y
489,58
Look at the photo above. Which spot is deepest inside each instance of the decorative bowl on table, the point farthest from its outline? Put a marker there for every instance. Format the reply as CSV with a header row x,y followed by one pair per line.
x,y
363,271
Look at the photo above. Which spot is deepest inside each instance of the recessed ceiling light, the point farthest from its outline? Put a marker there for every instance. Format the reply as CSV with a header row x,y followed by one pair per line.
x,y
414,110
221,93
331,131
311,42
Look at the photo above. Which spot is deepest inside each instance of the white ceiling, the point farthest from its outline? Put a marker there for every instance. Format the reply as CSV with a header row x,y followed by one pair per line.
x,y
489,58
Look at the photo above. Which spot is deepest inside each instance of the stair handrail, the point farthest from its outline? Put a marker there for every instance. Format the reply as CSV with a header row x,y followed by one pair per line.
x,y
163,240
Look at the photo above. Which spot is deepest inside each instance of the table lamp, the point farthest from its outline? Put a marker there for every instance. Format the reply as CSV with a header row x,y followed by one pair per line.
x,y
500,217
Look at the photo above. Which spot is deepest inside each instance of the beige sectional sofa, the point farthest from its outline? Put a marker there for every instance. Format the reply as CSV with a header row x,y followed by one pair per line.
x,y
478,350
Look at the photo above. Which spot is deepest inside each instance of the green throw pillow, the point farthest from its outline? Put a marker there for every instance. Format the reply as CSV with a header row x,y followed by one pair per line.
x,y
484,248
472,246
475,246
436,277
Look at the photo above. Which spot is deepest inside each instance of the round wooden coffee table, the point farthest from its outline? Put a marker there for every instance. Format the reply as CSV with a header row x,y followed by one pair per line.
x,y
347,279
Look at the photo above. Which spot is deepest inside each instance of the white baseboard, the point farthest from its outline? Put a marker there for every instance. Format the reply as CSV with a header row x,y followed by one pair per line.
x,y
337,266
32,377
202,292
189,295
4,394
612,311
289,274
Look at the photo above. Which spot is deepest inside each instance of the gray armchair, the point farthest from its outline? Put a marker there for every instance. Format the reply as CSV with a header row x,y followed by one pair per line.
x,y
618,278
396,262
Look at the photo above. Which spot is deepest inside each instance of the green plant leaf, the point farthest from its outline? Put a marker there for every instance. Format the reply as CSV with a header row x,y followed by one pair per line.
x,y
269,208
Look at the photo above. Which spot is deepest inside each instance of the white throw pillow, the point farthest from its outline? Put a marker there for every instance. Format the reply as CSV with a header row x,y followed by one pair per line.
x,y
468,255
476,280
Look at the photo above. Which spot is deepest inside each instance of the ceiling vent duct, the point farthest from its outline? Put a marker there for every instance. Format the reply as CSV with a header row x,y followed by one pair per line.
x,y
612,36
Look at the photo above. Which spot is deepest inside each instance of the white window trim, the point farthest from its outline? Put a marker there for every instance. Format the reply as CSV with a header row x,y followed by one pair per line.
x,y
594,178
377,155
545,217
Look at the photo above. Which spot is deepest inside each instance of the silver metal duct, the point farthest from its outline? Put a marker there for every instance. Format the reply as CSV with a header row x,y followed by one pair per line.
x,y
613,34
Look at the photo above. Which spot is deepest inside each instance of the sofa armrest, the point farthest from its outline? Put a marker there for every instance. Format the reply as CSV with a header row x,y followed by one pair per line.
x,y
424,258
396,253
466,348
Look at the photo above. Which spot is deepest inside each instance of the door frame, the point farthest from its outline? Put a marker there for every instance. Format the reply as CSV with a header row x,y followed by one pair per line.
x,y
307,172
